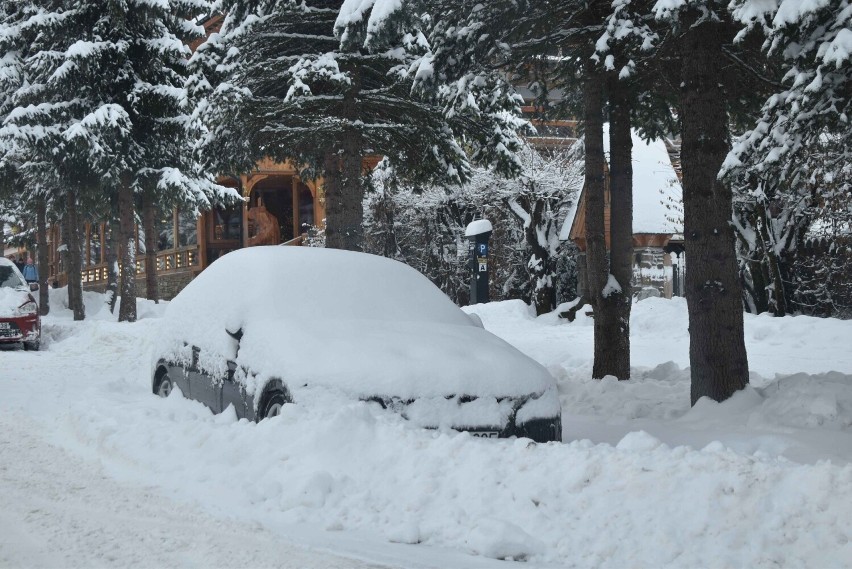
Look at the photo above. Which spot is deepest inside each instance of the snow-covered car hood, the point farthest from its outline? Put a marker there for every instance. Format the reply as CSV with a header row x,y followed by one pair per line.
x,y
401,359
11,299
351,322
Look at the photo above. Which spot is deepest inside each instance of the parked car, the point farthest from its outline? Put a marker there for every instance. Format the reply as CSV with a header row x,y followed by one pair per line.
x,y
20,323
263,327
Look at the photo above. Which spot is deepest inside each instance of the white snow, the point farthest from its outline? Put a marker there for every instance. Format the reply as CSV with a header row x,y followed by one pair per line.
x,y
657,192
13,289
327,319
477,227
107,474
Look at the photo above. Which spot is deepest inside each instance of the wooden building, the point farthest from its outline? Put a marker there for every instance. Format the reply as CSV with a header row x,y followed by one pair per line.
x,y
186,244
657,219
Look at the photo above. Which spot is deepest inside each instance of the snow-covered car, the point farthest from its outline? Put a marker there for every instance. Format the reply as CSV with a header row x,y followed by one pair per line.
x,y
266,326
20,323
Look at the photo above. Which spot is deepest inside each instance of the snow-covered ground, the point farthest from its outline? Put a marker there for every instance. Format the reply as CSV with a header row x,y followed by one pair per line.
x,y
96,471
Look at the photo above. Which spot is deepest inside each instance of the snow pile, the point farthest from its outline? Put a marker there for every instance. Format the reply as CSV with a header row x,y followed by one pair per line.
x,y
784,412
357,468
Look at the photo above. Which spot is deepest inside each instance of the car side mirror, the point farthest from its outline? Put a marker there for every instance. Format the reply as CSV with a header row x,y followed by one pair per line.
x,y
33,287
238,335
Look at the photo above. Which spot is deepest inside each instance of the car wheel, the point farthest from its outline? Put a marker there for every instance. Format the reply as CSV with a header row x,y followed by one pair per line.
x,y
272,405
164,386
32,346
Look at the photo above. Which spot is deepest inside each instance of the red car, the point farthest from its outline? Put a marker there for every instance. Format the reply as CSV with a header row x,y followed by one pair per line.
x,y
20,324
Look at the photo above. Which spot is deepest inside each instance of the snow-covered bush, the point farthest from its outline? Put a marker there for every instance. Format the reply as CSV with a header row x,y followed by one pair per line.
x,y
424,226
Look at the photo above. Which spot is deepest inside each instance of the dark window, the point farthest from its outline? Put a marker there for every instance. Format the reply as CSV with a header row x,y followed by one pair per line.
x,y
95,244
306,209
226,224
9,278
166,232
187,229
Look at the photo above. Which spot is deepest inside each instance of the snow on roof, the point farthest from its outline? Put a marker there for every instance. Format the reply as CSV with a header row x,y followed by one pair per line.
x,y
657,192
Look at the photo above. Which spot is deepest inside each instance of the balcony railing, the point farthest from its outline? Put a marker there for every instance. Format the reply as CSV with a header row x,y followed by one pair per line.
x,y
167,261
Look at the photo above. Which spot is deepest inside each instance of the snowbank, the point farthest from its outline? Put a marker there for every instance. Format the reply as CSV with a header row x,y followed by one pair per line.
x,y
638,503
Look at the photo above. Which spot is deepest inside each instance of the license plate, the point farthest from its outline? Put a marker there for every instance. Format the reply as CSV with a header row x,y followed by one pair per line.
x,y
486,434
5,326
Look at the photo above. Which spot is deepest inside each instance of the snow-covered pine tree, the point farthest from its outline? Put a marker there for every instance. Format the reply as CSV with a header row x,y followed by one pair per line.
x,y
13,51
105,109
803,136
798,154
284,82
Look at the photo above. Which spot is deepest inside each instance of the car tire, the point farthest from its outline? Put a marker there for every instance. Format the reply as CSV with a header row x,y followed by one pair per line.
x,y
272,403
164,385
32,346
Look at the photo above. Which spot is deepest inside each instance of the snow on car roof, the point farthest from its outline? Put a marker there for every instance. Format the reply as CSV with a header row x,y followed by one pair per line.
x,y
302,283
362,323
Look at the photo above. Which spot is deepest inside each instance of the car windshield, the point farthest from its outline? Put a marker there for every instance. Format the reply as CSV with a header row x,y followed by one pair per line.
x,y
10,278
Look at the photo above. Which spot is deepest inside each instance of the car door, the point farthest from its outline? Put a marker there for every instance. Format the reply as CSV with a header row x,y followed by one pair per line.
x,y
233,392
202,386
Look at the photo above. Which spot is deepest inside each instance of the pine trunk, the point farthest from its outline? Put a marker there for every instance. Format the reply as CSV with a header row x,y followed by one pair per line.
x,y
152,288
74,266
617,303
597,267
717,354
344,199
127,236
113,247
41,240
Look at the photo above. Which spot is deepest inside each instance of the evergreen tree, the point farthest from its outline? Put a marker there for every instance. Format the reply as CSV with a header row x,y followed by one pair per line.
x,y
299,81
104,108
793,165
803,134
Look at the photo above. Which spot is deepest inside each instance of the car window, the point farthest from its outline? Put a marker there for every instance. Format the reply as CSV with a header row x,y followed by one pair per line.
x,y
10,278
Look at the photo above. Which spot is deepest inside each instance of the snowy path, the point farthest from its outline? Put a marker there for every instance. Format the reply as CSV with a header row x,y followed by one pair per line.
x,y
57,510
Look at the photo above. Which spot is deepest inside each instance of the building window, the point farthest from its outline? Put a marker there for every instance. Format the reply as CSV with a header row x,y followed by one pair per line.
x,y
187,229
227,224
166,232
94,244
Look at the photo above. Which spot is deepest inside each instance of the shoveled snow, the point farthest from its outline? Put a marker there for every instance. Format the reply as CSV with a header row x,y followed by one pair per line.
x,y
642,481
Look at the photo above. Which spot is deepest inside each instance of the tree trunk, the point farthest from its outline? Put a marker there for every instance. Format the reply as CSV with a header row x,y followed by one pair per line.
x,y
127,236
74,266
617,304
149,212
113,246
717,354
41,240
597,267
344,199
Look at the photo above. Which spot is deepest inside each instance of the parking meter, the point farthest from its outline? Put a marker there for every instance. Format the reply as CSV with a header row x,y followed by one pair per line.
x,y
478,233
